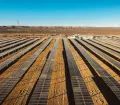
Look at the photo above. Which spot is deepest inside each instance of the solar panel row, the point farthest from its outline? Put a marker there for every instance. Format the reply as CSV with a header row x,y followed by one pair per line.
x,y
41,90
80,91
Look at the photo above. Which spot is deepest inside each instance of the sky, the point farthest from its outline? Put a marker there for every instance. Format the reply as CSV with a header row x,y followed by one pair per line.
x,y
97,13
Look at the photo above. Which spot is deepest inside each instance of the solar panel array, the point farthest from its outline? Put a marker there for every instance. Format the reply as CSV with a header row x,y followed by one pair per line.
x,y
11,81
6,41
56,71
10,43
107,44
102,55
14,45
108,51
13,59
108,79
3,54
80,91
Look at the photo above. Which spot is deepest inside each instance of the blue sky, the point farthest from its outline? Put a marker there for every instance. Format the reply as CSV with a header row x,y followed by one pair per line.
x,y
60,12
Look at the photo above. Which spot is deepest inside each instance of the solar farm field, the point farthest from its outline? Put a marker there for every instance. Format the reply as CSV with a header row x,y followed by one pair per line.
x,y
59,71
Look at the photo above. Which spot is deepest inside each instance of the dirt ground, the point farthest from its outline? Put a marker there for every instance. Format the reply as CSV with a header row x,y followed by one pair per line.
x,y
26,31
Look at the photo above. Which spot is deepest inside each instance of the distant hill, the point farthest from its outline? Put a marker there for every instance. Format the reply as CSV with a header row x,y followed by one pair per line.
x,y
61,30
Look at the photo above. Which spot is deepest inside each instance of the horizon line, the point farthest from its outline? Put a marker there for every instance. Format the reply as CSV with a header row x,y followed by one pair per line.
x,y
58,26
